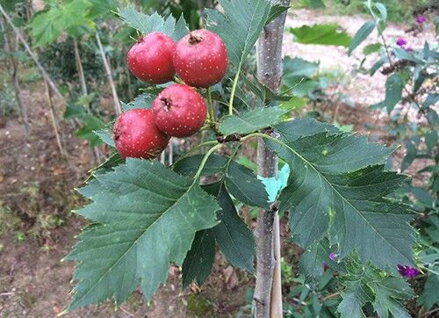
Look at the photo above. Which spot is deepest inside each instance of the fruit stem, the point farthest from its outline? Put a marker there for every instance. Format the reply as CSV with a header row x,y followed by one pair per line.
x,y
204,144
178,80
210,107
232,94
203,162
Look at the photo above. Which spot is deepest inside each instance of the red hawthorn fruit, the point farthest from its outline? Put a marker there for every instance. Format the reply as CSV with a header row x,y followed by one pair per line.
x,y
179,110
136,135
151,58
201,58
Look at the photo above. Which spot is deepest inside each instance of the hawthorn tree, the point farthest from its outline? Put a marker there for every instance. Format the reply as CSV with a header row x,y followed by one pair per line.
x,y
145,215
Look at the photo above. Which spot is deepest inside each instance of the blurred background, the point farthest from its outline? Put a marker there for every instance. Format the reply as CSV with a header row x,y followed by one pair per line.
x,y
63,75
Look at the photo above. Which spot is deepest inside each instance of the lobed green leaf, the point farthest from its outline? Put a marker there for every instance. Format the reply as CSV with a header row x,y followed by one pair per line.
x,y
251,121
146,218
154,23
338,184
323,34
240,25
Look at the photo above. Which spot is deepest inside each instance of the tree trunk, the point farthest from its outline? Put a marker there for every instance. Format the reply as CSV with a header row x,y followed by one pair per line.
x,y
107,67
16,82
268,296
34,57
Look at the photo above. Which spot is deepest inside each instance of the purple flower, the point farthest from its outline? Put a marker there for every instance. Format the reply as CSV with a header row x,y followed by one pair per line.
x,y
407,271
333,256
401,42
325,266
421,19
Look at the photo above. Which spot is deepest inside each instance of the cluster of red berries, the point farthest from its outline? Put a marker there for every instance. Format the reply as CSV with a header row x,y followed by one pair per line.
x,y
200,60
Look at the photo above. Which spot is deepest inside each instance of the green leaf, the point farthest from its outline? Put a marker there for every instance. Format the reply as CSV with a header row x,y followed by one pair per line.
x,y
244,186
114,160
311,261
147,217
91,124
299,128
317,4
154,23
47,26
239,180
9,5
382,10
324,34
180,29
276,11
189,165
106,136
431,100
350,306
102,8
387,292
430,294
141,101
43,31
294,104
365,284
394,87
382,60
361,35
74,111
371,48
297,67
239,26
338,183
356,293
431,139
234,238
251,121
297,76
411,152
199,260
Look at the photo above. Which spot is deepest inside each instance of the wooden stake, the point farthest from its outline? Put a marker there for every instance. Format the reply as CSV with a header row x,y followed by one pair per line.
x,y
79,68
54,120
107,67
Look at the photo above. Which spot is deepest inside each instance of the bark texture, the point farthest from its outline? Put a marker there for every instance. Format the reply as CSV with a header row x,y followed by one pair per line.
x,y
268,302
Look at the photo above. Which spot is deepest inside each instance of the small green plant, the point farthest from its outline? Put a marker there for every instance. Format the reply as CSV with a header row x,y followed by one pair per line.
x,y
8,104
411,99
20,237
